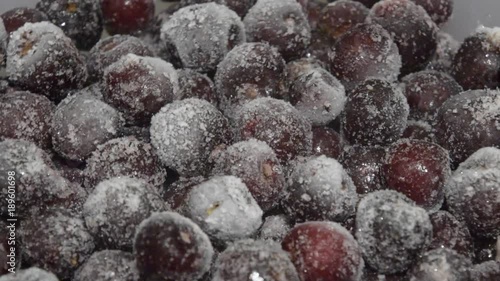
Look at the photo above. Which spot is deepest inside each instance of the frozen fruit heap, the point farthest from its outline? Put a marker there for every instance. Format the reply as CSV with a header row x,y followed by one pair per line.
x,y
234,140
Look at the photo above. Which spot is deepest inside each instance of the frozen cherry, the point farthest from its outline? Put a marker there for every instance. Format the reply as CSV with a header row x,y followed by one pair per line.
x,y
281,23
467,122
375,113
276,123
224,209
486,271
320,189
110,50
57,241
41,59
169,246
419,170
108,265
125,156
127,16
447,47
318,96
426,91
185,132
328,142
477,61
196,85
27,116
439,10
31,274
116,206
324,251
411,28
363,164
391,231
471,191
249,71
296,68
254,260
81,122
365,51
448,232
274,228
80,20
434,265
340,16
17,17
202,34
139,86
256,164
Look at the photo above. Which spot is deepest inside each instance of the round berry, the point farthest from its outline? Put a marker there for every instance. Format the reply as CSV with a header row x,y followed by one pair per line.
x,y
434,265
170,246
139,86
224,208
274,228
276,123
320,189
80,123
80,20
116,206
57,241
27,116
110,49
340,16
328,142
448,232
324,251
17,17
411,28
439,10
202,34
249,71
375,113
127,16
318,96
41,59
467,122
296,68
391,231
108,265
363,164
184,134
365,51
124,156
281,23
419,170
30,274
256,164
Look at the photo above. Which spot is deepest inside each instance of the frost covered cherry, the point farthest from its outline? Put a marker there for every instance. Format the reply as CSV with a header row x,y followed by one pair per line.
x,y
437,264
124,156
391,231
17,17
328,142
448,232
276,123
170,246
127,16
116,206
440,11
340,16
42,59
419,170
224,208
57,241
318,96
139,86
108,265
365,51
80,123
471,191
411,28
281,23
294,69
256,164
27,116
363,164
254,259
324,251
320,189
249,71
375,113
468,121
184,134
202,34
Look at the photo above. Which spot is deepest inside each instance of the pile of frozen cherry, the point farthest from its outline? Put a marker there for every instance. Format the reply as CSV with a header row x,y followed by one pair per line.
x,y
248,140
